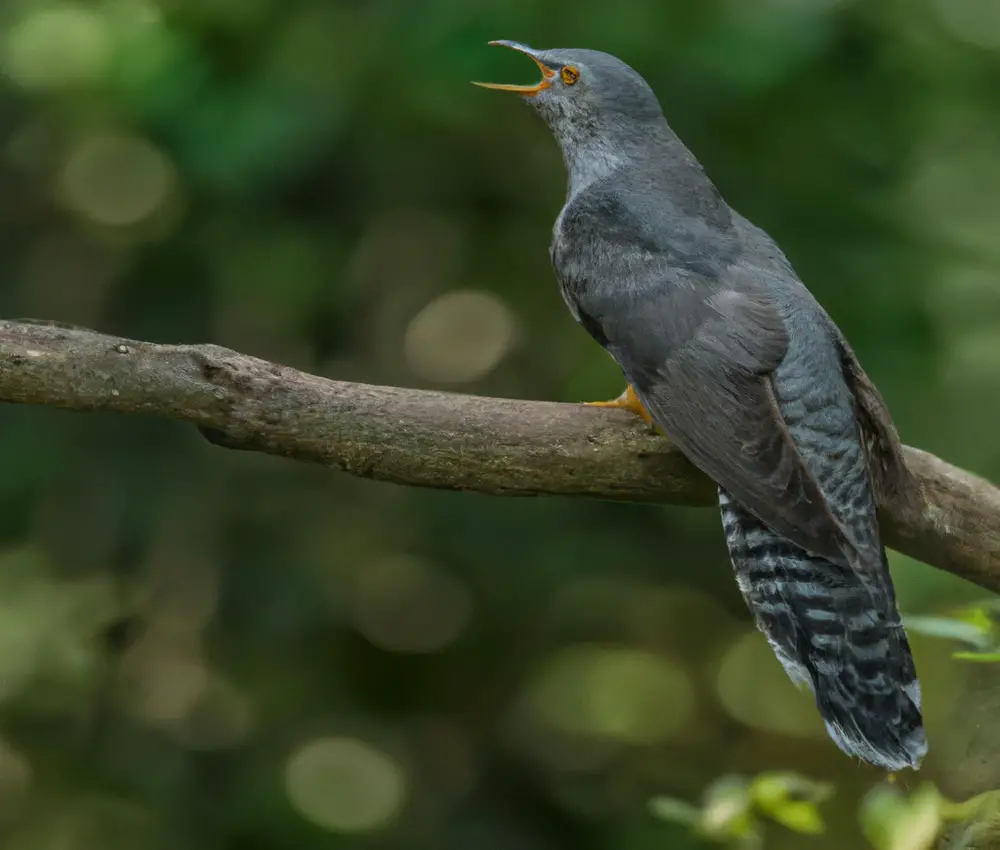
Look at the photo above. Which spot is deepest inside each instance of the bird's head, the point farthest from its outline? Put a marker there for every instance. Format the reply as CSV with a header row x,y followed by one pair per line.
x,y
587,97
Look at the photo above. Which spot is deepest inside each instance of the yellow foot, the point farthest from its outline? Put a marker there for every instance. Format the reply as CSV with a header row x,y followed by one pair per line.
x,y
628,400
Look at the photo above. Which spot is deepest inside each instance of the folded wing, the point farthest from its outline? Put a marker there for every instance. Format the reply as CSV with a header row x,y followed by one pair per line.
x,y
701,359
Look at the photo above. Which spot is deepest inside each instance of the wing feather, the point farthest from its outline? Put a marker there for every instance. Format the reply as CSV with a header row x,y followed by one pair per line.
x,y
887,465
702,361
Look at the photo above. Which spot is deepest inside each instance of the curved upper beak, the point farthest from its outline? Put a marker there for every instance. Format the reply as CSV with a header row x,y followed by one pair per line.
x,y
528,91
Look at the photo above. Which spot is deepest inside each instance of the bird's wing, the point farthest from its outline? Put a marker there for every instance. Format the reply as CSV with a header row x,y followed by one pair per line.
x,y
700,358
883,449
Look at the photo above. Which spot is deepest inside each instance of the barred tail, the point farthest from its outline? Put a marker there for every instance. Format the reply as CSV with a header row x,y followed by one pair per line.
x,y
840,635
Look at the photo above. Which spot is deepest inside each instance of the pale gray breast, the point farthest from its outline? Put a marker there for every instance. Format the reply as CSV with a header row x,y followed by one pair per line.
x,y
560,253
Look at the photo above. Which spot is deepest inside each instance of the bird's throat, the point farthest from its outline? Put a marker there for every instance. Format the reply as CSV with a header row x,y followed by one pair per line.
x,y
588,163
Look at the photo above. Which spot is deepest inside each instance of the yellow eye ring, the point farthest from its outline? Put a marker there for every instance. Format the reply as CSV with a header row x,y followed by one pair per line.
x,y
569,75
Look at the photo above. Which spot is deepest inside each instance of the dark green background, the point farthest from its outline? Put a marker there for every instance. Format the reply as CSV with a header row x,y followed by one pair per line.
x,y
312,661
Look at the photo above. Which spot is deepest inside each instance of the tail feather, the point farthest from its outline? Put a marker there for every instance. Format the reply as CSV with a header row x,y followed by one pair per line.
x,y
838,634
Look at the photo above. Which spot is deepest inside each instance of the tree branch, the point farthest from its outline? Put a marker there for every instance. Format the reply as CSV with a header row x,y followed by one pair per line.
x,y
432,439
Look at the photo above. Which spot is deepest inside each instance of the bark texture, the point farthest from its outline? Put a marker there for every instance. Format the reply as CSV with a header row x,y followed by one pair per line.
x,y
443,440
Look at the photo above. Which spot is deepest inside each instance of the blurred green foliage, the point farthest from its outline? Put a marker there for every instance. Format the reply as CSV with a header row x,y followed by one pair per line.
x,y
211,650
734,808
974,626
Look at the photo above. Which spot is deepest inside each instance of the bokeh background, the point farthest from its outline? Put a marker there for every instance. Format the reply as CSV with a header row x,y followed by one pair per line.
x,y
203,649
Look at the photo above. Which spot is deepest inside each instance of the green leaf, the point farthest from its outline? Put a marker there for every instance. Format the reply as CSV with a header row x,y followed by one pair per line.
x,y
967,629
881,809
792,800
799,816
893,822
728,811
920,826
978,616
985,806
980,657
733,805
675,811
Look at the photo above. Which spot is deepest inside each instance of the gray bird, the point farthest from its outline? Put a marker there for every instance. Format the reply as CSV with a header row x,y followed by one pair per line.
x,y
725,349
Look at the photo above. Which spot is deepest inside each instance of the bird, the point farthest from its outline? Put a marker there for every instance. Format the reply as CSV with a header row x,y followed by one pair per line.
x,y
725,350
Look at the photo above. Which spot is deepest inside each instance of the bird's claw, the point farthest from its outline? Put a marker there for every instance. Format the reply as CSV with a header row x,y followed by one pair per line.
x,y
628,400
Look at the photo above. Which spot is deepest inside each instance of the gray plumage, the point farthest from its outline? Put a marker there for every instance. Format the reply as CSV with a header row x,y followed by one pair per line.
x,y
743,369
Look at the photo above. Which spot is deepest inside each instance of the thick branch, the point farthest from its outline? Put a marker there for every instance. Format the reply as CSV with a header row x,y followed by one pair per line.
x,y
443,440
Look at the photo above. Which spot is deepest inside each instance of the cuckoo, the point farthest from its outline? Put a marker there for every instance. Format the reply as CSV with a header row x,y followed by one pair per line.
x,y
726,351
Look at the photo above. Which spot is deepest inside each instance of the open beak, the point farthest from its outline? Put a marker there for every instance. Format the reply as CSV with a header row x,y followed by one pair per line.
x,y
527,91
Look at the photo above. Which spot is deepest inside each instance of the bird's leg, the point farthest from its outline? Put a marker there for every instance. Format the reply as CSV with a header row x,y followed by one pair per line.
x,y
628,400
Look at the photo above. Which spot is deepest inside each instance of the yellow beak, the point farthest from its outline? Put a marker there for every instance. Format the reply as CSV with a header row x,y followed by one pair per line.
x,y
527,91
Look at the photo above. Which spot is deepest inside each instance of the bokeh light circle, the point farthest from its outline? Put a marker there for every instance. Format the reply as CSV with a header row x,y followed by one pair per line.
x,y
345,785
63,45
754,688
405,604
614,692
459,336
116,180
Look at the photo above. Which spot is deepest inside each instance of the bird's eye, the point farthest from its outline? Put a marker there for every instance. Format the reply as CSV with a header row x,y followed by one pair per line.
x,y
569,75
